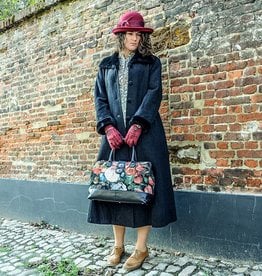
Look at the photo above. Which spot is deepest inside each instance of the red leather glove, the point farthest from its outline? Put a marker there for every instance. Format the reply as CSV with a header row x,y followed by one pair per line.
x,y
114,137
133,135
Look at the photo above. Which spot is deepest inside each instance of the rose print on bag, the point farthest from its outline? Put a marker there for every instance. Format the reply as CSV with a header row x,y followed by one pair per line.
x,y
111,175
122,175
130,171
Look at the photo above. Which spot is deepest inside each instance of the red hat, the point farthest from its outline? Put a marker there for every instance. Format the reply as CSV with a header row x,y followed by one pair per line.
x,y
131,21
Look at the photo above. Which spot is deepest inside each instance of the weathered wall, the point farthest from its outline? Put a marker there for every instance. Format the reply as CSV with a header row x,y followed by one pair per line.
x,y
211,54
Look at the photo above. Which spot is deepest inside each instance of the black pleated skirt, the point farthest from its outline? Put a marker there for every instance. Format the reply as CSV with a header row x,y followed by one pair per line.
x,y
129,215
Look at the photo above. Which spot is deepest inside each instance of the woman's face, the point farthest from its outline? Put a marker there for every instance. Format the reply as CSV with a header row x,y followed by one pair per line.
x,y
131,41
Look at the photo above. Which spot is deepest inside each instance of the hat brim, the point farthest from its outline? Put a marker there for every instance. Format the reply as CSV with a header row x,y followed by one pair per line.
x,y
132,29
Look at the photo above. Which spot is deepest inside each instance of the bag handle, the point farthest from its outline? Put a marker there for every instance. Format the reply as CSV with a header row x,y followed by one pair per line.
x,y
112,155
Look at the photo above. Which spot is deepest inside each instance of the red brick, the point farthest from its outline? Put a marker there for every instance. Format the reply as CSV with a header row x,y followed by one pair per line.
x,y
208,111
200,87
210,180
224,84
201,120
235,109
222,119
222,128
195,128
235,92
182,137
182,121
206,70
222,163
236,163
220,76
235,127
258,173
182,89
221,110
208,94
249,153
252,182
211,86
251,145
251,163
190,171
176,114
213,102
231,136
203,137
250,89
180,129
207,78
222,145
251,80
256,98
249,117
235,65
208,128
195,112
194,80
178,82
79,120
250,108
222,93
235,74
197,179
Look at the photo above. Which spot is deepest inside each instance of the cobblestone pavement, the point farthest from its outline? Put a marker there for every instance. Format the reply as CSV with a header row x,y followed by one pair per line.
x,y
41,249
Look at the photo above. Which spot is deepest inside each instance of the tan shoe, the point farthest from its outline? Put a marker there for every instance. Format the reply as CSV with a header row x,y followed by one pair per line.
x,y
135,260
116,255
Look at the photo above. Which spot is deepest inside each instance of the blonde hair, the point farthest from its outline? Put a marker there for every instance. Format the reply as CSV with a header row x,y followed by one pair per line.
x,y
144,48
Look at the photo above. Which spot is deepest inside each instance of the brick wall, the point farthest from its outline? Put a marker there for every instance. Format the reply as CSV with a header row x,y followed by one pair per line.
x,y
212,66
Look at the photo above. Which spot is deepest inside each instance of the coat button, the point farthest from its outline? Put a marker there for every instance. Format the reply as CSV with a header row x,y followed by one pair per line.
x,y
129,101
130,83
118,116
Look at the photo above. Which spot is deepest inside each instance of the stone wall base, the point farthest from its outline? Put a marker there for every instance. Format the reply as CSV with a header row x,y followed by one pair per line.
x,y
211,224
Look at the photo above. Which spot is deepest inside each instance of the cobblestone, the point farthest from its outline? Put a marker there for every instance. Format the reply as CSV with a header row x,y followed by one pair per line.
x,y
25,246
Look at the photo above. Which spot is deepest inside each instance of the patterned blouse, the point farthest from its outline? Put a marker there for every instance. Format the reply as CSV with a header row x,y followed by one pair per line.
x,y
123,80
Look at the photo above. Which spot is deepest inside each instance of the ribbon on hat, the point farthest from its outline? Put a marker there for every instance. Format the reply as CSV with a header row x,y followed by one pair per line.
x,y
125,23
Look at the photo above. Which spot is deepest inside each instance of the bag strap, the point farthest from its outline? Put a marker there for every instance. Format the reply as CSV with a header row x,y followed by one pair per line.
x,y
112,155
133,157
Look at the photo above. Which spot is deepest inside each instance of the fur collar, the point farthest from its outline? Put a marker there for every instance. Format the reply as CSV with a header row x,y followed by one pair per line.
x,y
113,60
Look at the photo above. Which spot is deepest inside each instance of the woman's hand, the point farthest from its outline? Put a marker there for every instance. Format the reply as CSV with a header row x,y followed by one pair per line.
x,y
114,137
133,135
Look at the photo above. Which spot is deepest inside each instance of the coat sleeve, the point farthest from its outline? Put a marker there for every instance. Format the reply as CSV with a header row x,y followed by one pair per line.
x,y
103,114
147,111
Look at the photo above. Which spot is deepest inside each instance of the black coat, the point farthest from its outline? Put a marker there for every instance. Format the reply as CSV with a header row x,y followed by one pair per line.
x,y
143,102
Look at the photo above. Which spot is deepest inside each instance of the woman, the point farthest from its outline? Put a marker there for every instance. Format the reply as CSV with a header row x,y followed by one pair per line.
x,y
128,94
